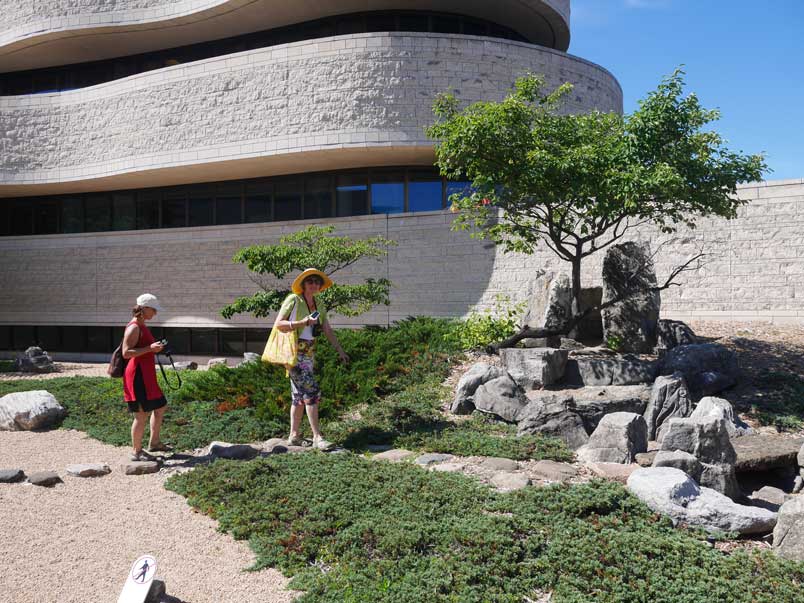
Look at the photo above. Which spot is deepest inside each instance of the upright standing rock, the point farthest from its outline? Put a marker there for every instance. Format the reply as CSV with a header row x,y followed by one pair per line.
x,y
534,367
669,398
617,439
480,373
550,303
788,536
628,270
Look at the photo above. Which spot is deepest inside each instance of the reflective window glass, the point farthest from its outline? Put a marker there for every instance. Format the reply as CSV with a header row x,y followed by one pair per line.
x,y
318,197
387,192
232,342
22,216
258,201
380,22
148,202
97,213
5,217
288,199
174,209
99,339
228,204
446,24
124,211
74,339
5,338
47,216
458,188
203,341
425,191
24,337
72,214
414,22
200,207
255,340
351,194
179,340
48,338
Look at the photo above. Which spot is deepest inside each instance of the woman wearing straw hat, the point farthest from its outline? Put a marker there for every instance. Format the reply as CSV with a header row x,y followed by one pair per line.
x,y
140,388
297,312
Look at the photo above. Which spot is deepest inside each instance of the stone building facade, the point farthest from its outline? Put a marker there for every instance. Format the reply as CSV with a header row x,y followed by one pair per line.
x,y
143,142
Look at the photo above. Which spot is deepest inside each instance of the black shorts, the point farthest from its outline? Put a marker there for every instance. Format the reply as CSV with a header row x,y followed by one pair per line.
x,y
142,403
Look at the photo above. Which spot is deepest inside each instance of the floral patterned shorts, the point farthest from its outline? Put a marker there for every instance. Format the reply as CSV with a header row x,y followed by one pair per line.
x,y
303,386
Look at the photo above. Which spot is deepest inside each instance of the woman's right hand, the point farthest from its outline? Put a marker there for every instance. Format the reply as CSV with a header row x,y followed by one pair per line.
x,y
156,347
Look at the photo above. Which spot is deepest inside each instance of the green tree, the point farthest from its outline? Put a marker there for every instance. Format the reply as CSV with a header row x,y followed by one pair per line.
x,y
578,183
312,247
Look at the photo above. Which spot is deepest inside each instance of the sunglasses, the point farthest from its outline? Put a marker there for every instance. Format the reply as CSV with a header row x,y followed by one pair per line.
x,y
314,281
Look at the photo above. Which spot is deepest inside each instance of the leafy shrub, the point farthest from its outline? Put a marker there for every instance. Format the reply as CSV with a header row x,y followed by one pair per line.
x,y
6,366
324,519
484,328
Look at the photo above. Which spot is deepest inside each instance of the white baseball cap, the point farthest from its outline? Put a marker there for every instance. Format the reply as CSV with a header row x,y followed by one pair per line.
x,y
149,301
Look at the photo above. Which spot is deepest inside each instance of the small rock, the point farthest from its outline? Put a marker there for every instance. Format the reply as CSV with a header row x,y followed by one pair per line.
x,y
240,452
798,484
671,334
554,471
251,357
375,448
618,437
499,464
44,478
679,459
10,476
501,397
216,362
507,481
157,592
140,467
707,367
555,417
448,467
769,498
431,458
89,470
535,367
617,472
186,365
395,455
476,376
788,536
711,407
645,459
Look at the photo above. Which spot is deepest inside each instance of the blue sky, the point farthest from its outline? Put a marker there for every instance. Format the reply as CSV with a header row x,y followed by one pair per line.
x,y
743,57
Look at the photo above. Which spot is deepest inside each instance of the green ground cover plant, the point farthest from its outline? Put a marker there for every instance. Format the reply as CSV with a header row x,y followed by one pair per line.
x,y
784,408
6,366
323,519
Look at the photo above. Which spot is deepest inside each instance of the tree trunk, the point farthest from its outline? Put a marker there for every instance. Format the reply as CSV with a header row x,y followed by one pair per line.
x,y
576,285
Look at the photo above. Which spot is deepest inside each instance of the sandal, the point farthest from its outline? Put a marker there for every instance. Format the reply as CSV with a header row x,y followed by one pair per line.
x,y
322,444
295,441
141,456
160,447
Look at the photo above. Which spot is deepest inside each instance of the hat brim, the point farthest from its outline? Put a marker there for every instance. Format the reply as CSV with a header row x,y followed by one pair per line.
x,y
297,286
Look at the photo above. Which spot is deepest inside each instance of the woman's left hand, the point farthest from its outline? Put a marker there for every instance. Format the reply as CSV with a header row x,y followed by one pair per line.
x,y
344,357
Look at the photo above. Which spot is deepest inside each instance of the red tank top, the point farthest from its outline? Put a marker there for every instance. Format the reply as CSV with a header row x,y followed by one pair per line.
x,y
146,366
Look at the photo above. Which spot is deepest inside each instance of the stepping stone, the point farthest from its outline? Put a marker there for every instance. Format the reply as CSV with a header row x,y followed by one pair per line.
x,y
508,481
499,464
216,362
645,459
448,467
89,470
379,447
9,476
275,446
554,471
432,458
395,455
613,471
762,452
140,467
47,479
239,452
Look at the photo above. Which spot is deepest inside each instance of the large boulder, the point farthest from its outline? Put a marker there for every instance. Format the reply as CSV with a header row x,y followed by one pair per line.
x,y
707,367
679,460
718,408
34,360
672,492
24,411
617,439
549,301
608,369
671,334
767,452
788,536
708,441
628,271
534,367
669,398
476,376
554,417
501,397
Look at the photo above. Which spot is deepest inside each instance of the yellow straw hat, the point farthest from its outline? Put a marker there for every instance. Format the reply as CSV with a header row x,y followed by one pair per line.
x,y
297,286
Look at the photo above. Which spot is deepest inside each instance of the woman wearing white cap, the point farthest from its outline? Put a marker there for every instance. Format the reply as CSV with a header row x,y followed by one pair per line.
x,y
140,388
301,311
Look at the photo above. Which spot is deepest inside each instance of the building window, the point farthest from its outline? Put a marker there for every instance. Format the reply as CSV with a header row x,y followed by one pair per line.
x,y
232,342
229,204
97,213
351,194
24,337
174,208
201,206
47,216
387,192
318,197
258,202
287,199
203,342
124,211
425,191
148,202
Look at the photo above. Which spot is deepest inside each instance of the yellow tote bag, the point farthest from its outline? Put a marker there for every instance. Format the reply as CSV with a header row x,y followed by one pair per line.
x,y
281,348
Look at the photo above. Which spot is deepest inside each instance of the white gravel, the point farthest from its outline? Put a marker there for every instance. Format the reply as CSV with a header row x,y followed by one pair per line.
x,y
76,542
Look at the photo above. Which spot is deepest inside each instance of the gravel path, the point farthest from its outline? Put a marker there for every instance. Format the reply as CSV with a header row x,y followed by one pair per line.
x,y
76,542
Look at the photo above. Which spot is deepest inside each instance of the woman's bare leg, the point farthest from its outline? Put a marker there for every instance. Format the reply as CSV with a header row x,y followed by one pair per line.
x,y
156,426
312,416
138,429
296,414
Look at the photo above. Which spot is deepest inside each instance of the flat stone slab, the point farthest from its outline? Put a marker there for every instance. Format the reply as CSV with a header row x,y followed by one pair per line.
x,y
47,479
89,470
613,471
10,476
239,452
432,458
379,447
140,467
508,481
448,467
499,464
761,452
554,471
395,455
275,446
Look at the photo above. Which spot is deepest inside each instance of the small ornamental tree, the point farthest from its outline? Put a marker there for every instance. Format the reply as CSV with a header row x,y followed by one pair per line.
x,y
312,247
578,183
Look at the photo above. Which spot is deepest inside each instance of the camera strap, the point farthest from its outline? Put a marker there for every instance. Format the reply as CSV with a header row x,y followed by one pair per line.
x,y
164,375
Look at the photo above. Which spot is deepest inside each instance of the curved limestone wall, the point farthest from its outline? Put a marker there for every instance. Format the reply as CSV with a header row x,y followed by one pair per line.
x,y
362,92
